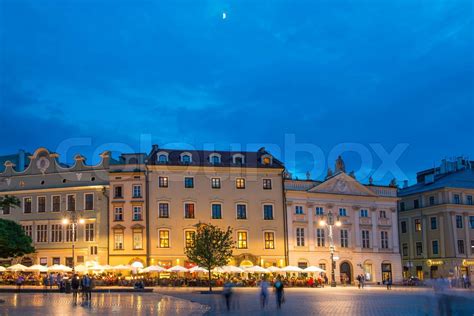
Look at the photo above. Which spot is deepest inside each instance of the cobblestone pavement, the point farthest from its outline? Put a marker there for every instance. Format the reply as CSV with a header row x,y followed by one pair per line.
x,y
101,304
335,301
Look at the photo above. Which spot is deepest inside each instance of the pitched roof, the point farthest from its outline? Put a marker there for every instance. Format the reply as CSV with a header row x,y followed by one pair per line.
x,y
459,179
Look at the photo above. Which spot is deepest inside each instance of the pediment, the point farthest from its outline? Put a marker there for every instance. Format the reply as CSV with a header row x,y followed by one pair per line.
x,y
342,184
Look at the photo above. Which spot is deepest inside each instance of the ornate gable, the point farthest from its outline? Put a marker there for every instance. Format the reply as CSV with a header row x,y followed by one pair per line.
x,y
342,184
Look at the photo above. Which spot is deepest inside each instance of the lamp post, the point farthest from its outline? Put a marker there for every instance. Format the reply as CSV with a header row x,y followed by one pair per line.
x,y
330,223
73,219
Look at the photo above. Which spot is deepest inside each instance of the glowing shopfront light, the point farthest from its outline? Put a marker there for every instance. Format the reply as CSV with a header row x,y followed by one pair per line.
x,y
82,221
65,221
322,222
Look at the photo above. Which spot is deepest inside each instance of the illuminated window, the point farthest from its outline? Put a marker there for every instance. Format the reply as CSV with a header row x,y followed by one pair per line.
x,y
418,225
70,233
164,238
189,238
240,183
163,182
269,240
266,160
267,184
242,240
216,183
118,240
137,239
189,210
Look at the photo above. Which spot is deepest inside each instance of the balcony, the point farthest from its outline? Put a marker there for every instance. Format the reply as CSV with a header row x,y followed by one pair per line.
x,y
300,218
384,222
365,221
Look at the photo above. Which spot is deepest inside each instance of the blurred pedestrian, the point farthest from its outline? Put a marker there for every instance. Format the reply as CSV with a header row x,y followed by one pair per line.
x,y
263,292
227,292
280,296
75,282
87,287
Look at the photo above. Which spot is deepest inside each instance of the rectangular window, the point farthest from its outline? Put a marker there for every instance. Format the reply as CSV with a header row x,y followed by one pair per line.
x,y
342,211
89,201
419,248
56,233
267,184
71,202
189,236
93,250
216,211
434,222
188,210
299,209
90,232
164,238
384,239
242,240
56,260
41,200
416,204
365,239
28,229
137,191
418,225
320,237
405,250
461,246
432,200
137,213
70,234
403,227
41,233
27,205
118,214
189,182
6,209
118,194
434,247
240,183
471,221
164,210
268,212
137,239
319,210
269,240
469,200
241,211
44,261
216,183
163,182
344,238
300,237
383,214
56,203
457,199
364,213
459,221
402,206
118,240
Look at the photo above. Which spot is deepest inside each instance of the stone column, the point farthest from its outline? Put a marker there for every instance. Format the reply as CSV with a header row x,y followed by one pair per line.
x,y
395,240
442,237
355,208
375,231
455,232
291,234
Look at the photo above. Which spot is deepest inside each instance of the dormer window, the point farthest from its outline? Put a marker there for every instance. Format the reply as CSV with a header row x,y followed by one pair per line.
x,y
238,159
162,157
266,160
186,158
215,159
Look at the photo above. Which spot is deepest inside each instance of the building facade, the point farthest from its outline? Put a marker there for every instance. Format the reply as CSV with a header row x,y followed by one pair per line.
x,y
241,190
437,222
367,240
50,191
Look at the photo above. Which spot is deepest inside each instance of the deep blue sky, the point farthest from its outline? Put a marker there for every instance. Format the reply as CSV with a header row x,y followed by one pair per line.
x,y
323,72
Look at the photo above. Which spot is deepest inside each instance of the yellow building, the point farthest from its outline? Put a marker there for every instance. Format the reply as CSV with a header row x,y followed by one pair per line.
x,y
50,191
437,222
242,190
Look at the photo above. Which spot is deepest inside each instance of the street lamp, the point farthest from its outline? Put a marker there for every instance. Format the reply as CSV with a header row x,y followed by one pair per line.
x,y
330,223
73,219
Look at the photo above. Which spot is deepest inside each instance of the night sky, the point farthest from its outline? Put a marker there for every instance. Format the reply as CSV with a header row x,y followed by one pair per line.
x,y
85,76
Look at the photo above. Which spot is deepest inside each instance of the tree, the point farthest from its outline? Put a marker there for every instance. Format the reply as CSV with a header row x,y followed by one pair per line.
x,y
13,240
211,247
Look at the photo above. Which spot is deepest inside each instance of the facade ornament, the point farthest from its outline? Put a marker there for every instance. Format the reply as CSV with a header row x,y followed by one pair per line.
x,y
329,174
393,183
340,165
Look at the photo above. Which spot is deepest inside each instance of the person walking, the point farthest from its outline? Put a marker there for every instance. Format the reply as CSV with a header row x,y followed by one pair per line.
x,y
227,292
263,292
388,281
86,287
359,282
75,282
51,281
362,278
279,292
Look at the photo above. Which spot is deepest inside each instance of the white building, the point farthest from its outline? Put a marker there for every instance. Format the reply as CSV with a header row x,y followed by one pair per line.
x,y
367,240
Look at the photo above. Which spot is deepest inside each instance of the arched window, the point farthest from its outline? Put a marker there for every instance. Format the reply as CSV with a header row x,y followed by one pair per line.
x,y
215,159
186,158
266,160
162,157
238,159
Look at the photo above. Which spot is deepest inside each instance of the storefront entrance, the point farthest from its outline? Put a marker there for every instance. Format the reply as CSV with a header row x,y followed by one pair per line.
x,y
386,271
346,273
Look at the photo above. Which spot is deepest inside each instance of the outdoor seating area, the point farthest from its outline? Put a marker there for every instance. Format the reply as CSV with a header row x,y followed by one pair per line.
x,y
177,276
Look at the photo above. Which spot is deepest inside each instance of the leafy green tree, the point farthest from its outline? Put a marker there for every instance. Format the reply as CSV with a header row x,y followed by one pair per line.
x,y
13,240
211,247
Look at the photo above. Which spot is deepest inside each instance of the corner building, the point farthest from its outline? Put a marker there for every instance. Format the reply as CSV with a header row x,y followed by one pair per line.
x,y
366,242
243,190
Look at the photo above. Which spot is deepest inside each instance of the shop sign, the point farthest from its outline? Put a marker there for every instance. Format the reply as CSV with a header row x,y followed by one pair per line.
x,y
430,262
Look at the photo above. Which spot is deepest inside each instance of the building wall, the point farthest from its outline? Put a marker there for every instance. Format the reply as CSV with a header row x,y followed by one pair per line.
x,y
358,257
443,208
203,196
46,178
